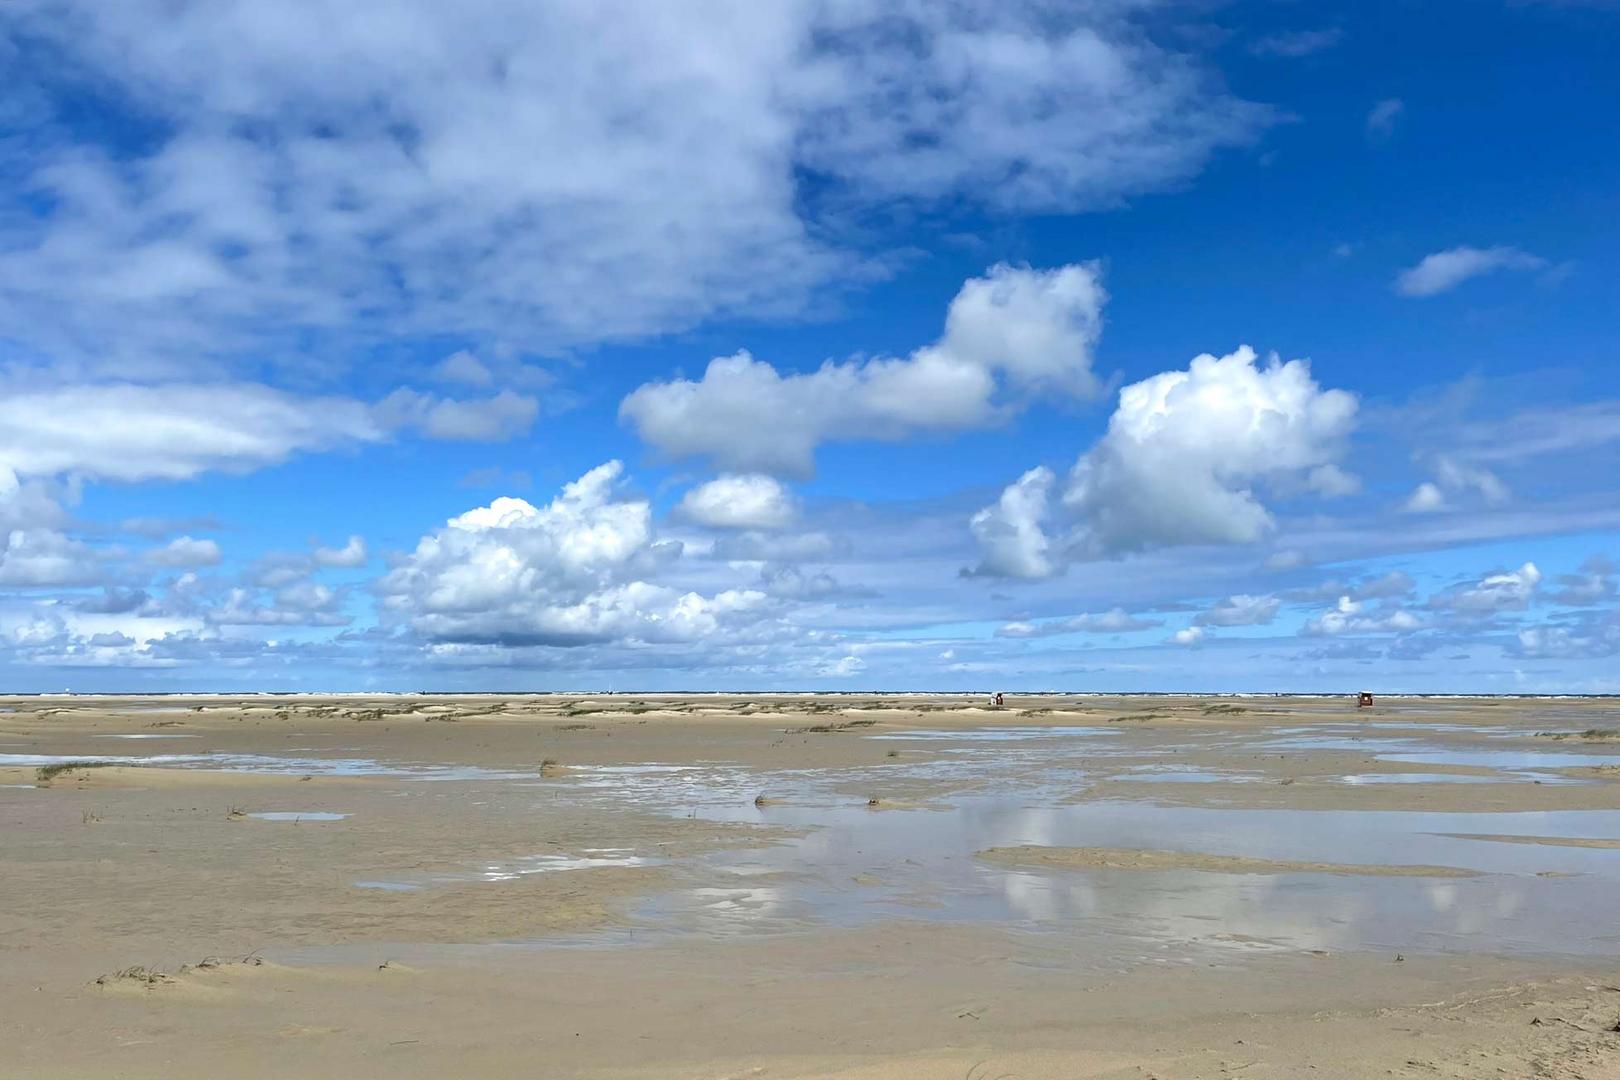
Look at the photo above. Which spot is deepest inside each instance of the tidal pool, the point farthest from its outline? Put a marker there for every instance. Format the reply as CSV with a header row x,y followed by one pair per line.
x,y
857,865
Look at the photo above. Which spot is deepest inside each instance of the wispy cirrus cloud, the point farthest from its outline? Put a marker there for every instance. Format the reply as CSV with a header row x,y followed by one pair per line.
x,y
1445,270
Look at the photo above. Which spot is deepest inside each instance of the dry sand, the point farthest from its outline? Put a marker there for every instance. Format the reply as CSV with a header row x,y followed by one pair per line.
x,y
475,915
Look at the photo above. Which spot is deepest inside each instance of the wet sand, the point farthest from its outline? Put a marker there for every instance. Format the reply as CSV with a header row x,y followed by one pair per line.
x,y
1069,858
794,886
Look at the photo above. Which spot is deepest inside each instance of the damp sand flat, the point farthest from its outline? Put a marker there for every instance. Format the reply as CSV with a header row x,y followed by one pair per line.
x,y
1072,858
1600,843
635,914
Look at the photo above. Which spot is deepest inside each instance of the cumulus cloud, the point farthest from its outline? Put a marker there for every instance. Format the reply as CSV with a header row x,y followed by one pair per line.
x,y
1350,617
351,554
42,557
1426,498
486,170
1010,532
1011,334
1508,590
1179,464
1240,610
301,604
842,668
1453,478
185,551
1598,636
1114,621
1184,449
1191,635
570,573
746,501
1445,270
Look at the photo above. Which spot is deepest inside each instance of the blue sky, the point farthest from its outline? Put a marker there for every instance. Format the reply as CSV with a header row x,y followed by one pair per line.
x,y
820,344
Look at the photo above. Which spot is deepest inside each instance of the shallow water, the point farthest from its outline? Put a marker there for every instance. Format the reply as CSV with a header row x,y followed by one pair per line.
x,y
510,870
857,866
1512,760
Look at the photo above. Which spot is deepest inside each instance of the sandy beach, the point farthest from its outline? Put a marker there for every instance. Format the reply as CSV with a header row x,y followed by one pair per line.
x,y
795,886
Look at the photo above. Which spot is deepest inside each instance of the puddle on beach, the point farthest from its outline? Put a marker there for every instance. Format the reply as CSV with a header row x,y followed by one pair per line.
x,y
853,865
1507,760
856,866
1532,759
511,870
297,815
1169,774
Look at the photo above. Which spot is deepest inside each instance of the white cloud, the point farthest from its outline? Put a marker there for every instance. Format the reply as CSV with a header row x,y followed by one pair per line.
x,y
463,367
746,501
843,668
41,557
301,604
1445,270
1184,449
351,554
1332,482
1191,635
544,175
492,419
1453,477
1426,498
1037,327
185,551
1009,335
1240,610
1183,453
1010,532
1114,621
569,573
176,431
1597,637
169,432
1381,118
1350,617
1510,590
